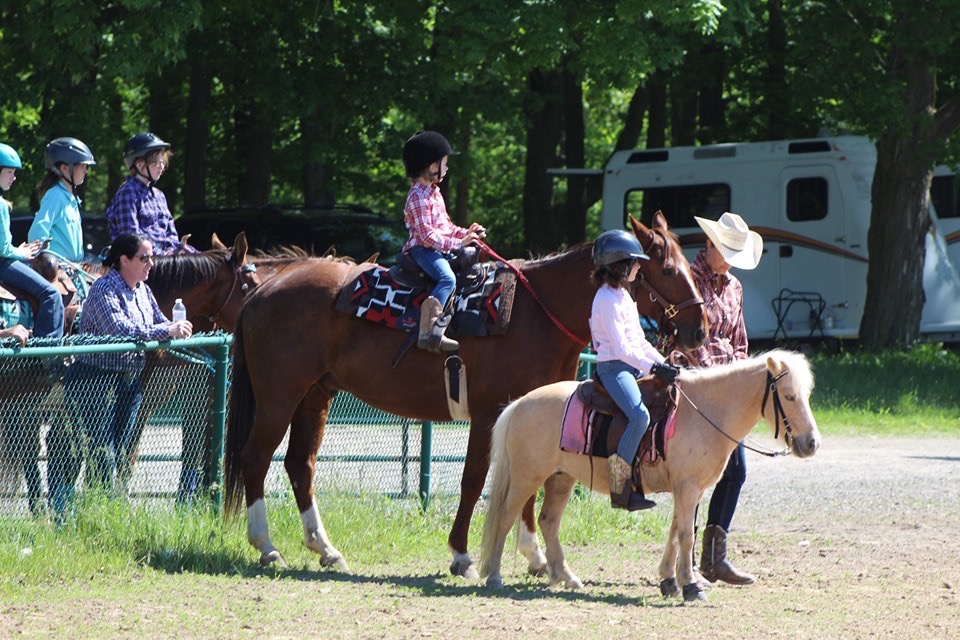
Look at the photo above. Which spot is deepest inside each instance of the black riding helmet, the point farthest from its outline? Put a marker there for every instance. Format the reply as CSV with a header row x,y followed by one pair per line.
x,y
424,148
139,146
616,245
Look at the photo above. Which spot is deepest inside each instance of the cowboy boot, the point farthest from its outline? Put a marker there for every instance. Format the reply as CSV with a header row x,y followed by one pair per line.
x,y
714,564
432,336
622,495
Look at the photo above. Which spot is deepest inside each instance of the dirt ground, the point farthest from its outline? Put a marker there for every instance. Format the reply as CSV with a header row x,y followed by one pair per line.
x,y
860,541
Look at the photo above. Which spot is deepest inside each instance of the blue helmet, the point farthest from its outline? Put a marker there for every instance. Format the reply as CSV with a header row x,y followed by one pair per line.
x,y
616,245
68,151
9,157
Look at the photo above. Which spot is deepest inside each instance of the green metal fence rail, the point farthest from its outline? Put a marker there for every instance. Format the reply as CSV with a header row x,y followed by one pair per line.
x,y
364,448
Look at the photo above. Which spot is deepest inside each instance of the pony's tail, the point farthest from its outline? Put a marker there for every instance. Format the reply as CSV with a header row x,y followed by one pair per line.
x,y
243,405
499,487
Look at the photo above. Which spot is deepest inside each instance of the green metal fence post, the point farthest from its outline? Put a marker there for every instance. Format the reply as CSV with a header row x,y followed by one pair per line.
x,y
218,425
426,457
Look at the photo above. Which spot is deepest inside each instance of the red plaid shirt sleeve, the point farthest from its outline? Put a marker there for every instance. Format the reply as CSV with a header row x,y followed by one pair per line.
x,y
425,215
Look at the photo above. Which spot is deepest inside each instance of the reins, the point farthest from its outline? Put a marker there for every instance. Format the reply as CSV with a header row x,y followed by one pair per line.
x,y
770,386
529,287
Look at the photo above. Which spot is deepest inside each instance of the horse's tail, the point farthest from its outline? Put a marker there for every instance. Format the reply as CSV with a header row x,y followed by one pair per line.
x,y
499,487
243,406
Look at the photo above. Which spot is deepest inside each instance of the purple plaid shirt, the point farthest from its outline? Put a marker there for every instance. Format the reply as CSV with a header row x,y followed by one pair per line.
x,y
723,304
137,208
114,309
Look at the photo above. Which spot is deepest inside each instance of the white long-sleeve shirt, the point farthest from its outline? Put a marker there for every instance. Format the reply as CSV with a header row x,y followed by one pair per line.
x,y
616,331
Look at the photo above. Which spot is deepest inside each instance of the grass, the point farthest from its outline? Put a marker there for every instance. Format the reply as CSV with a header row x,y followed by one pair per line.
x,y
109,545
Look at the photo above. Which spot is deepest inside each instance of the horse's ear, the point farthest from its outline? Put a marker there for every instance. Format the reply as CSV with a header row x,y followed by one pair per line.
x,y
372,259
644,234
216,242
660,221
240,248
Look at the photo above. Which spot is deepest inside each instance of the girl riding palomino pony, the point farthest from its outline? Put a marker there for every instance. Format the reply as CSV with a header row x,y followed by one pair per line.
x,y
526,456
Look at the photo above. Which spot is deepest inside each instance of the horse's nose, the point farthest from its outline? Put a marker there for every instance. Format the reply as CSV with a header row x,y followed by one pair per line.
x,y
699,336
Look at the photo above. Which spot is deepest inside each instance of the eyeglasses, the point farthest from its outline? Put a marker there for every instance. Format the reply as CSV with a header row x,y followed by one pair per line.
x,y
147,257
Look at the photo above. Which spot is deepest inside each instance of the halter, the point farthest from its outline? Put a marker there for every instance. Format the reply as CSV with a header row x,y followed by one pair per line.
x,y
243,268
670,310
779,416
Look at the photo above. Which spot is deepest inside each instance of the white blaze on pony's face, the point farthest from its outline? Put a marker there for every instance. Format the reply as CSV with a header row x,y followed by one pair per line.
x,y
793,384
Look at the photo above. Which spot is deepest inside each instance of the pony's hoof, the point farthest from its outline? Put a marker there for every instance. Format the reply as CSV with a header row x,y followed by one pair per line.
x,y
669,588
336,562
537,571
693,592
273,558
573,582
495,582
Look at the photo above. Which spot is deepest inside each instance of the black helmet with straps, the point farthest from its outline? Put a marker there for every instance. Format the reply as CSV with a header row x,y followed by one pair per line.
x,y
139,146
616,245
423,149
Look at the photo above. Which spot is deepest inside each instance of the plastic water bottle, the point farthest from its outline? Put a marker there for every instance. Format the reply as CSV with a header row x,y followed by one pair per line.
x,y
179,311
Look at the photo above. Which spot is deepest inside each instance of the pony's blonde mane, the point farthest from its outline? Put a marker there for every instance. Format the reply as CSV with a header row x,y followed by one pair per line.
x,y
796,362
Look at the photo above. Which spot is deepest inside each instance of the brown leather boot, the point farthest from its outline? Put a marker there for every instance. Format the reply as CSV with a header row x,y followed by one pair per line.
x,y
432,336
714,564
622,495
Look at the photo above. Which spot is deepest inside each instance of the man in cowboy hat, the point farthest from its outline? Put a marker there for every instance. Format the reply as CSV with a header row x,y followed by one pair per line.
x,y
730,243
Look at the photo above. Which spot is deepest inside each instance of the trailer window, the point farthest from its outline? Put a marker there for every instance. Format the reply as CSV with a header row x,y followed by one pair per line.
x,y
807,199
943,193
680,204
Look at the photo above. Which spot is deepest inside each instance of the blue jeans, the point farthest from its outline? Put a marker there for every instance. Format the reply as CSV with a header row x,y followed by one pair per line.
x,y
620,381
436,265
49,321
104,405
727,492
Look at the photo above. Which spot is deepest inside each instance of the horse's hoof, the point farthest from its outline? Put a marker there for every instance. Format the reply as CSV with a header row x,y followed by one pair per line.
x,y
669,588
495,582
273,558
693,592
335,562
464,569
537,571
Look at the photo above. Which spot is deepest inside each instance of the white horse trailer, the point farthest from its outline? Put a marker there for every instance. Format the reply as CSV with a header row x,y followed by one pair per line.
x,y
810,200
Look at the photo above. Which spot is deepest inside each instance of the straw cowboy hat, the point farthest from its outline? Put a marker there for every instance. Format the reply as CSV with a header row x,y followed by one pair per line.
x,y
739,246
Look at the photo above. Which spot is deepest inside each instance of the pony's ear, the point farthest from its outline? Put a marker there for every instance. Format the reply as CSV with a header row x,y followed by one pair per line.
x,y
776,367
240,247
644,234
216,242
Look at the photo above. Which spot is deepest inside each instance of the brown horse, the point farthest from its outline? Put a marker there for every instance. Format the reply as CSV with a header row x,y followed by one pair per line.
x,y
293,352
526,455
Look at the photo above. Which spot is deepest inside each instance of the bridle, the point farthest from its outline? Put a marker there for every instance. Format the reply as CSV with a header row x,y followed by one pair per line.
x,y
779,416
670,310
238,270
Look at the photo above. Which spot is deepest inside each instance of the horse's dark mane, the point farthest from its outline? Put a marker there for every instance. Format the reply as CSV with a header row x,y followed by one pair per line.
x,y
185,271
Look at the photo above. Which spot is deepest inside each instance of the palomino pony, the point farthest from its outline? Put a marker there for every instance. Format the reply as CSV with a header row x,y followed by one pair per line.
x,y
293,352
732,397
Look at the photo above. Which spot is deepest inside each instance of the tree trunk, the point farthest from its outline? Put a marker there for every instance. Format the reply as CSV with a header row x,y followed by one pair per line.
x,y
574,132
777,96
683,103
254,138
899,221
657,122
166,91
544,113
316,193
195,147
712,108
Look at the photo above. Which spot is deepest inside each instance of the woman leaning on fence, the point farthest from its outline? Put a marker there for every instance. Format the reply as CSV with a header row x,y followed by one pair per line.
x,y
103,390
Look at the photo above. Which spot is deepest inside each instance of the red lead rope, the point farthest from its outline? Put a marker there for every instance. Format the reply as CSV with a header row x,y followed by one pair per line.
x,y
526,283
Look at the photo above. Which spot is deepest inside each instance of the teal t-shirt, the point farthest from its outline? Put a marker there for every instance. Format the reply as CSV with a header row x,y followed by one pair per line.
x,y
7,250
59,219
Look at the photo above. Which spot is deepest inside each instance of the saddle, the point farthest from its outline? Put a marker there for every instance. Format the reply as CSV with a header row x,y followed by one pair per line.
x,y
465,265
609,422
48,266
